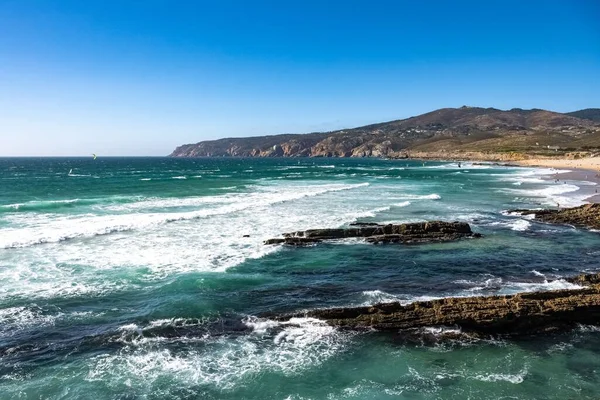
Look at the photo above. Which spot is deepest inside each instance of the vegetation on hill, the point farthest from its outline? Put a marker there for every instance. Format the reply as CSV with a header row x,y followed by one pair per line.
x,y
592,114
451,132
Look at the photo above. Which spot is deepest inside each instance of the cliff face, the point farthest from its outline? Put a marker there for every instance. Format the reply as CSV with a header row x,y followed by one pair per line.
x,y
449,130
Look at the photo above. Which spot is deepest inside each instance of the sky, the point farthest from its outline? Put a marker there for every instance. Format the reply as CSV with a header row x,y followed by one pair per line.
x,y
142,77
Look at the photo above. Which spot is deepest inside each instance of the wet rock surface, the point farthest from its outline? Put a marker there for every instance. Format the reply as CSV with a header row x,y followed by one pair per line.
x,y
587,215
518,314
421,232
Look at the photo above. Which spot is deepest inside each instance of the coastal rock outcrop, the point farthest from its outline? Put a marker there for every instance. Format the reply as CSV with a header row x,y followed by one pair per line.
x,y
420,232
518,314
587,215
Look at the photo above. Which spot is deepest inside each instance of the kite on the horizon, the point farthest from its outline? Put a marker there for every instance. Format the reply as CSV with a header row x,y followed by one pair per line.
x,y
94,155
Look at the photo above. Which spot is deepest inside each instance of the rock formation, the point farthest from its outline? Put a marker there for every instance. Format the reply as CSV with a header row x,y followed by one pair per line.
x,y
587,215
420,232
523,313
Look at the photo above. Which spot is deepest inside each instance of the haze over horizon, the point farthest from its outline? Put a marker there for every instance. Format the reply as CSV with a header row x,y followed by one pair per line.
x,y
140,79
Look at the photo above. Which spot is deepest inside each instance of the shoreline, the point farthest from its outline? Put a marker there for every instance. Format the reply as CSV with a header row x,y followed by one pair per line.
x,y
585,175
578,170
590,163
582,170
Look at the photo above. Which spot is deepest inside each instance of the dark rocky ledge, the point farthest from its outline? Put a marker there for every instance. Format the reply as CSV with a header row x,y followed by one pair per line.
x,y
586,216
518,314
421,232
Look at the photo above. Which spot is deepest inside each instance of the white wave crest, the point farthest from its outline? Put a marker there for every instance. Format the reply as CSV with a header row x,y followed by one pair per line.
x,y
432,196
553,195
511,378
150,248
70,227
377,296
225,362
588,328
413,299
492,283
15,319
558,284
441,330
519,225
371,213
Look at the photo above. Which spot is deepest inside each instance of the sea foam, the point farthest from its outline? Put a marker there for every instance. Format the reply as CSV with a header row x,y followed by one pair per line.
x,y
70,227
225,362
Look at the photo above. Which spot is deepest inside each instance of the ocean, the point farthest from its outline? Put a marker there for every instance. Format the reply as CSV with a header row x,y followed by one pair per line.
x,y
147,278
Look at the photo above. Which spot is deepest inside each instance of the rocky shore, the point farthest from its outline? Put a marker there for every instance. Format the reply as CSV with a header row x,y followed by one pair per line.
x,y
421,232
587,216
518,314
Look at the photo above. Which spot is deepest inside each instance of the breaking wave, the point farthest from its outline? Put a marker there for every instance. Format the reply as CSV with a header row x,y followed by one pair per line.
x,y
79,226
225,361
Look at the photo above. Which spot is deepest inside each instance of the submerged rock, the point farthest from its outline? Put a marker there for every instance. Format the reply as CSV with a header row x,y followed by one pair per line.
x,y
518,314
365,224
295,241
420,232
587,215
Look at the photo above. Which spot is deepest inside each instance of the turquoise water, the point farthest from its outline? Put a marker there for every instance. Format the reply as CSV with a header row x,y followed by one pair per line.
x,y
131,278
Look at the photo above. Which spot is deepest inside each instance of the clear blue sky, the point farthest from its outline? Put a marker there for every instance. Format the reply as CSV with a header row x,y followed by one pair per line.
x,y
141,77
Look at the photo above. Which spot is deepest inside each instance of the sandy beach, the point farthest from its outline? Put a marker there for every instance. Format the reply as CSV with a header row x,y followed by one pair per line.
x,y
585,169
582,163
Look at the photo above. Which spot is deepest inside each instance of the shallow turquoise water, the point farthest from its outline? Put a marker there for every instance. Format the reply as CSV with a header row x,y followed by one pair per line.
x,y
130,278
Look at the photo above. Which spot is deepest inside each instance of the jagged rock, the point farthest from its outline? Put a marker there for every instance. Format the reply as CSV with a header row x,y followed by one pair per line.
x,y
517,314
587,215
421,232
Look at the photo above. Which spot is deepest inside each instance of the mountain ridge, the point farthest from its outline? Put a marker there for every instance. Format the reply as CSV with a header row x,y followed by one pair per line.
x,y
451,131
592,114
